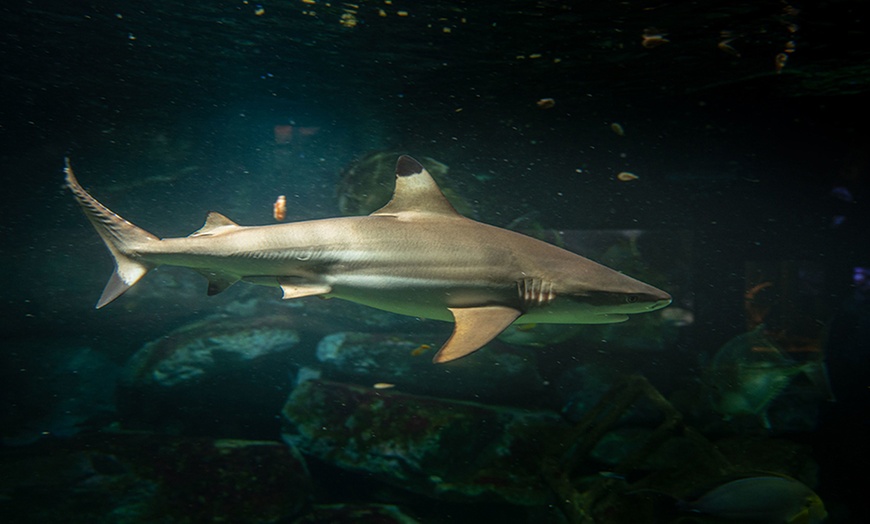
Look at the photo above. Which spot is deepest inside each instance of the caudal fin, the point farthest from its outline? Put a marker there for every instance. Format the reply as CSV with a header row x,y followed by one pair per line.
x,y
121,237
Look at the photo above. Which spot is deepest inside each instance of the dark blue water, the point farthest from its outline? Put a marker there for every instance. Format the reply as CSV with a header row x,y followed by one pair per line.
x,y
716,150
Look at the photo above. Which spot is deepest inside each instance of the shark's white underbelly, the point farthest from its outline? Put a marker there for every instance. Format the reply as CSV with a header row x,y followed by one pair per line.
x,y
419,297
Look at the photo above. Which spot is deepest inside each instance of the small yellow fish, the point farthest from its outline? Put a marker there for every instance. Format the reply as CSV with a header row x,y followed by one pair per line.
x,y
617,128
526,327
383,385
419,350
625,176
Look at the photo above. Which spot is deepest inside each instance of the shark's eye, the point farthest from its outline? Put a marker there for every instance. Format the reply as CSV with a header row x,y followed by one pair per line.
x,y
631,299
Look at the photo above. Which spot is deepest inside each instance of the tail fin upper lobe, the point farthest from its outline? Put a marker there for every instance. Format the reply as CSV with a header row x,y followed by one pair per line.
x,y
121,237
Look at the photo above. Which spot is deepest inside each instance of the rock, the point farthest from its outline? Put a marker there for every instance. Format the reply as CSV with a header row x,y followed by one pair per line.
x,y
619,444
582,387
193,351
145,479
355,514
440,448
216,376
494,374
54,390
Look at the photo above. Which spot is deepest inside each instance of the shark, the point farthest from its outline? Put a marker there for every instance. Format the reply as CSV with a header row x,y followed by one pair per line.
x,y
415,256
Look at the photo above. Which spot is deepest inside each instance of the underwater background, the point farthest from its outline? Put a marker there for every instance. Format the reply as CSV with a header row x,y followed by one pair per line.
x,y
716,150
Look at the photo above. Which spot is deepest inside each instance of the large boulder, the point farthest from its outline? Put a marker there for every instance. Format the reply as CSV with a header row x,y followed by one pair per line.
x,y
223,376
496,374
54,390
440,448
133,479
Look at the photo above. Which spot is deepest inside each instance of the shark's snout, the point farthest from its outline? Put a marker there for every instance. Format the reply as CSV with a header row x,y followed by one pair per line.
x,y
660,303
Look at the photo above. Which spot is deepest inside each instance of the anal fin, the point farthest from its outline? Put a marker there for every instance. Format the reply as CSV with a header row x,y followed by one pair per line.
x,y
475,327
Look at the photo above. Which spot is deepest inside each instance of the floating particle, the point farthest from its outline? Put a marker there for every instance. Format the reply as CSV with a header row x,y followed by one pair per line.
x,y
652,37
402,13
259,11
445,30
535,55
279,208
381,12
652,41
625,176
348,20
725,45
779,62
383,385
617,128
545,103
309,1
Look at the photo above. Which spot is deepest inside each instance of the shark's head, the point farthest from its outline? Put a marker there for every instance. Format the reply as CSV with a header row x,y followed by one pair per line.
x,y
591,294
615,305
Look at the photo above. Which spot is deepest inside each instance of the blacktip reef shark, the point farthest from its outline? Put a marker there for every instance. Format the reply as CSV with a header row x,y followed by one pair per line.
x,y
415,256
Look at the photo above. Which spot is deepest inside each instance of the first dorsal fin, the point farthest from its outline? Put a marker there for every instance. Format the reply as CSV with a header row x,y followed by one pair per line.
x,y
214,223
416,191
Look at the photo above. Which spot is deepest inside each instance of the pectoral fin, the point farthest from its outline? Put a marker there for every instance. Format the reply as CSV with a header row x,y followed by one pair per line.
x,y
474,327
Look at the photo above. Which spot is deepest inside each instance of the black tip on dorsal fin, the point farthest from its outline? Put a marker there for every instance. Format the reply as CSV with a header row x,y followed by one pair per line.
x,y
415,192
407,166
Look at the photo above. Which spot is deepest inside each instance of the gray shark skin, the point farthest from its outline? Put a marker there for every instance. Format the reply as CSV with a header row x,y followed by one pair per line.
x,y
415,256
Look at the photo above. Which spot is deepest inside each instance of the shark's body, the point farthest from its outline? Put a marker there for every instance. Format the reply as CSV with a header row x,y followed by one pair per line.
x,y
415,256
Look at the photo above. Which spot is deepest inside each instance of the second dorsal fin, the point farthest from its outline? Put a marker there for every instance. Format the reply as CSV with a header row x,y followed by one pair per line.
x,y
214,223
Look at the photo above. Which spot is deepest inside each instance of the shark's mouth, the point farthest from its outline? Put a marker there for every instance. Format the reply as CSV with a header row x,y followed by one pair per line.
x,y
660,304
